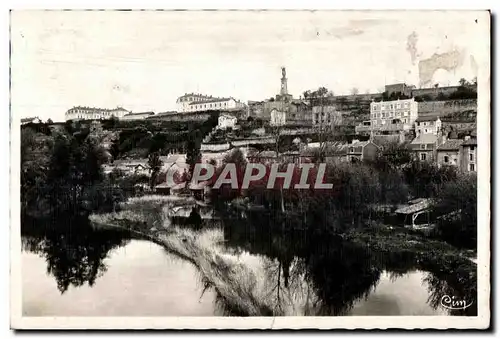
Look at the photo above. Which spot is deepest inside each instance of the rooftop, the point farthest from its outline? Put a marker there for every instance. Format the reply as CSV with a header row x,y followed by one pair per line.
x,y
451,145
425,139
427,118
97,109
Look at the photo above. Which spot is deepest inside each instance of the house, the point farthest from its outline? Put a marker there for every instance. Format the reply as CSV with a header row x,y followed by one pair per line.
x,y
199,190
424,146
448,153
428,125
326,116
278,117
468,154
362,150
32,120
226,121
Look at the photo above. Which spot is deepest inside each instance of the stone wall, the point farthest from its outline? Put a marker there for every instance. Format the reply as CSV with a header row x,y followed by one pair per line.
x,y
443,108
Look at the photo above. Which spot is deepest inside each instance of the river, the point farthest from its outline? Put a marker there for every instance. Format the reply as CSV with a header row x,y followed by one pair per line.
x,y
93,273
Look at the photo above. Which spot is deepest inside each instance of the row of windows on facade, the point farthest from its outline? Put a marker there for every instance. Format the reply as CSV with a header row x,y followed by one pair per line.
x,y
389,114
214,105
191,99
383,122
89,112
382,107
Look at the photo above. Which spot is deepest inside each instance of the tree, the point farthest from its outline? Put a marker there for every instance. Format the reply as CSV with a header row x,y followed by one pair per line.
x,y
193,155
463,83
354,91
155,165
49,121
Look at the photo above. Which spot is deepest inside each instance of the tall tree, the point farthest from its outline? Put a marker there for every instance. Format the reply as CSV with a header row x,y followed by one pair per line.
x,y
155,165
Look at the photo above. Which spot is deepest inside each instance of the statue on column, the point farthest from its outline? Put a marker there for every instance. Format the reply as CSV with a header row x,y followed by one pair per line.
x,y
283,72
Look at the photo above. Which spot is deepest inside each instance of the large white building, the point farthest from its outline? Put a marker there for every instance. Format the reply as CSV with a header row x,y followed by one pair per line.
x,y
400,112
93,113
198,102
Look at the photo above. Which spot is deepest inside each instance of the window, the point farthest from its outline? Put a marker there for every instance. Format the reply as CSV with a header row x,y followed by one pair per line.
x,y
398,105
418,123
351,150
423,156
406,113
472,148
446,159
472,167
422,146
406,104
471,157
426,130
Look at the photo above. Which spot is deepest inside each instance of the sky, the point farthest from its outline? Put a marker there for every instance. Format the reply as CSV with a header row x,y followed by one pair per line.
x,y
144,60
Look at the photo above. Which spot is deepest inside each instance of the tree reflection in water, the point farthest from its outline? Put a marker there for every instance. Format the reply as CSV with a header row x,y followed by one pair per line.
x,y
73,250
329,274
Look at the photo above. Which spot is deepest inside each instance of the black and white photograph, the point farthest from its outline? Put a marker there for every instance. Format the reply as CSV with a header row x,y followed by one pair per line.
x,y
264,169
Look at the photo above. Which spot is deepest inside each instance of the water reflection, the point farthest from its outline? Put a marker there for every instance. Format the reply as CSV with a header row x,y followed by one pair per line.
x,y
306,273
73,251
70,269
342,276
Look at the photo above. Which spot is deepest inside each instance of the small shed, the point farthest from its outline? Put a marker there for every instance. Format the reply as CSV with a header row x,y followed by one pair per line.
x,y
414,209
163,188
199,190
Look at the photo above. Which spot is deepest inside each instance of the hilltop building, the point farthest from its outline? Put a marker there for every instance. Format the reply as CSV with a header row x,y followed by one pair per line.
x,y
93,113
193,102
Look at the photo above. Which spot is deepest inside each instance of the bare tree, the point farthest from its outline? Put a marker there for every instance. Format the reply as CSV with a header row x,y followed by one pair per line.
x,y
329,118
354,91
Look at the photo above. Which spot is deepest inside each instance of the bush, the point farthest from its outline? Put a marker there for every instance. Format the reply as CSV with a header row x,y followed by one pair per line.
x,y
457,202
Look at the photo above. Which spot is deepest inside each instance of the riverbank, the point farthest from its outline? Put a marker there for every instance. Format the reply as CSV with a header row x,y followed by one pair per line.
x,y
238,279
243,282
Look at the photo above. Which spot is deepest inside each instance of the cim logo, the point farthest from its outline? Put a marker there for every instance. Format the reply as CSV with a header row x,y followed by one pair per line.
x,y
453,303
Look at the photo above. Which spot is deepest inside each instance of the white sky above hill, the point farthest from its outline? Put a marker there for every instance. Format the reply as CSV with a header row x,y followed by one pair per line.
x,y
143,61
